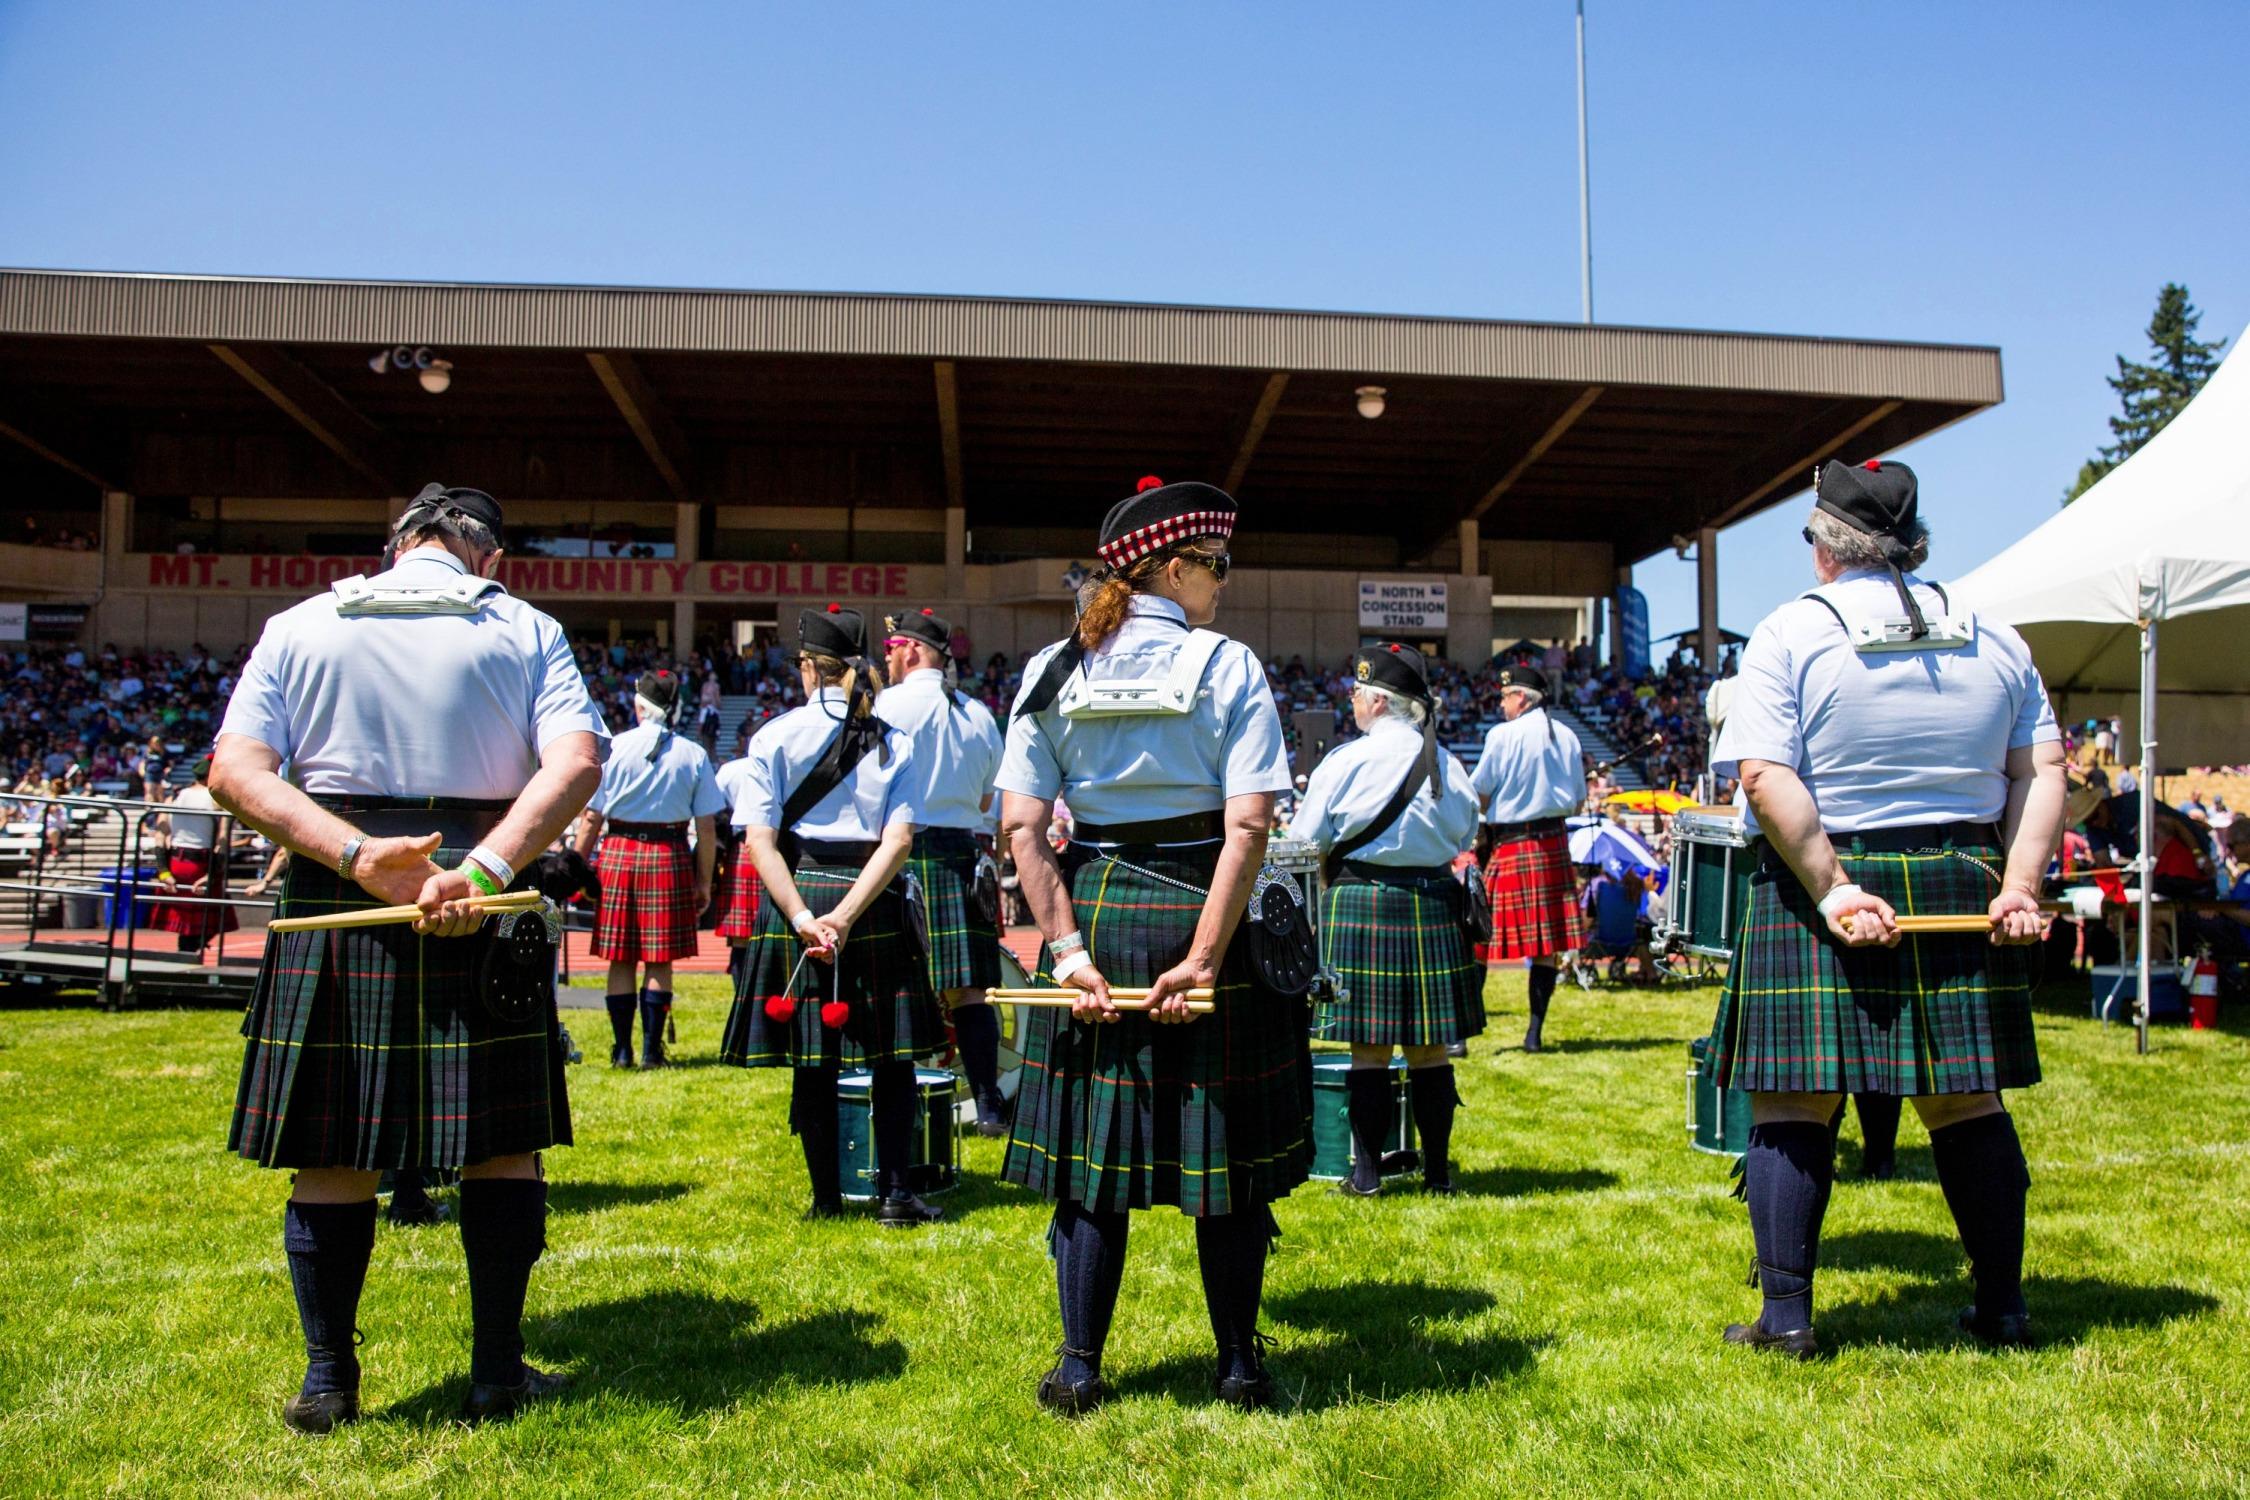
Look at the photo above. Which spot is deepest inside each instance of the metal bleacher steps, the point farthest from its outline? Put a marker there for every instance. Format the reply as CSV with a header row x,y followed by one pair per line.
x,y
1598,743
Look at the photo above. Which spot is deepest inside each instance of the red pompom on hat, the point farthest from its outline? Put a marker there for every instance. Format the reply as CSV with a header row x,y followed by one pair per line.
x,y
928,611
835,608
1148,482
781,1009
1159,515
1873,466
833,1014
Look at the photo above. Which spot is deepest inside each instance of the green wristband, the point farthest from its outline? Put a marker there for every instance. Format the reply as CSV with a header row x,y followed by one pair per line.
x,y
479,879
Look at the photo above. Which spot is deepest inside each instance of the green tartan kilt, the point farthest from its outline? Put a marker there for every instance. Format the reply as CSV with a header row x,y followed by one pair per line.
x,y
892,1015
964,943
1939,1014
1210,1116
372,1047
1396,942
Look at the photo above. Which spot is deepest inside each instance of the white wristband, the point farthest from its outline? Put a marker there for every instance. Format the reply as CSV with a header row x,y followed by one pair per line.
x,y
1069,942
1836,898
803,920
1070,964
498,868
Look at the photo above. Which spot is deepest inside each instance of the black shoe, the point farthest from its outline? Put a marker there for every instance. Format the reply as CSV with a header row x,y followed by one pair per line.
x,y
1531,1041
1441,1187
1456,1049
992,1130
1351,1189
491,1403
1797,1343
415,1213
824,1208
905,1211
1071,1400
621,1056
2007,1331
1249,1387
320,1414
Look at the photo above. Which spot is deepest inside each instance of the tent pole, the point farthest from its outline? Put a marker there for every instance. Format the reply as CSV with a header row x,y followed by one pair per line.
x,y
2148,821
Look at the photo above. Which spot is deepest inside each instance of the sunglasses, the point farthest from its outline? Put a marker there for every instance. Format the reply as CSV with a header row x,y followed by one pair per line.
x,y
1808,536
1217,562
900,640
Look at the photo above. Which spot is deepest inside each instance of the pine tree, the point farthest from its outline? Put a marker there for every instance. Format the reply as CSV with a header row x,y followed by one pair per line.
x,y
2150,395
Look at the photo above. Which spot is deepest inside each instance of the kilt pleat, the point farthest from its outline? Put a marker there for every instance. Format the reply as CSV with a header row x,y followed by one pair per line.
x,y
372,1048
192,919
647,912
738,917
1534,900
1209,1117
964,945
1397,944
893,1016
1939,1014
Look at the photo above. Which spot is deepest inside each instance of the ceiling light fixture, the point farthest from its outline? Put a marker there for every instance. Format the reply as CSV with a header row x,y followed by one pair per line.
x,y
1370,401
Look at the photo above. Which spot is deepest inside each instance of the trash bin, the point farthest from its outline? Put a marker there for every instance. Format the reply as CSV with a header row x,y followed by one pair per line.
x,y
124,903
82,911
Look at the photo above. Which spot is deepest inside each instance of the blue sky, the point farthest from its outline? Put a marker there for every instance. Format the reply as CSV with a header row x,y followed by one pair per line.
x,y
2016,174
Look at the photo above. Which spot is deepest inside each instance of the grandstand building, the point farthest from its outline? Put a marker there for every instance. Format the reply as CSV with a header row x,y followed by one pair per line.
x,y
677,464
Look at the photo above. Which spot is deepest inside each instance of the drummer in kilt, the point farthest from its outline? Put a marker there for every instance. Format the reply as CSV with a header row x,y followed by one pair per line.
x,y
739,888
438,737
1531,776
195,865
827,808
1899,756
958,748
1172,801
1392,811
654,888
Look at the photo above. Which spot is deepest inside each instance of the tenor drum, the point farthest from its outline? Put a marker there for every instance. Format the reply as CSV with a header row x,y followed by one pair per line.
x,y
1718,1120
1332,1126
1710,885
936,1142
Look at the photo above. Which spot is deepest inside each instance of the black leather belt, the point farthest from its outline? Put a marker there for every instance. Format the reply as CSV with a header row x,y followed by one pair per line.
x,y
461,820
1902,840
858,852
1503,833
654,832
1411,875
1191,828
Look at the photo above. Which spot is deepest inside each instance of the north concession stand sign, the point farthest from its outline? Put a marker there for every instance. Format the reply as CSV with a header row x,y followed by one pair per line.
x,y
1393,606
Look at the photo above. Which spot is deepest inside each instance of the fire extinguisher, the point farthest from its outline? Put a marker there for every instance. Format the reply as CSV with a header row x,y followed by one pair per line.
x,y
2203,993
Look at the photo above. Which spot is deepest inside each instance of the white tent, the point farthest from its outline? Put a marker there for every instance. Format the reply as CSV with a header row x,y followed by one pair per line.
x,y
2139,595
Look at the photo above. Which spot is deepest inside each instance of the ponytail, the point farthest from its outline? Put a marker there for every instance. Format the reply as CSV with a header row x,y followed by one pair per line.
x,y
1107,598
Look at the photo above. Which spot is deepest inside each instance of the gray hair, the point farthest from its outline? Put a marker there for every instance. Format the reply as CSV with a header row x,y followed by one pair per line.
x,y
1398,703
1855,549
418,524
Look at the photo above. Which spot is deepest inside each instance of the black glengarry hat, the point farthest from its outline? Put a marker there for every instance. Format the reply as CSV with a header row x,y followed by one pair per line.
x,y
1880,499
440,499
920,625
1160,515
834,631
659,687
1394,666
1526,676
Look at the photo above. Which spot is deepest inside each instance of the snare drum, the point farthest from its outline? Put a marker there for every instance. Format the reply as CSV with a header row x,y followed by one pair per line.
x,y
1332,1126
935,1144
1014,1021
1709,890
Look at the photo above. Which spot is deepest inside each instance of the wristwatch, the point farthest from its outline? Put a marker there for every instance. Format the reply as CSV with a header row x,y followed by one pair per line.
x,y
350,855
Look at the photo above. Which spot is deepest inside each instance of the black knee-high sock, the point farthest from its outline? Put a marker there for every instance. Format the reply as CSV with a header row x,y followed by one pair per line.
x,y
1542,992
976,1030
620,1021
1787,1175
1367,1105
1878,1131
1230,1250
503,1232
891,1105
1089,1251
1980,1166
1434,1099
328,1245
656,1009
812,1114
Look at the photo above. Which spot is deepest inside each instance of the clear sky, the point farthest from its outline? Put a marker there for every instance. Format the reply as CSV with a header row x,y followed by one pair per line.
x,y
2020,174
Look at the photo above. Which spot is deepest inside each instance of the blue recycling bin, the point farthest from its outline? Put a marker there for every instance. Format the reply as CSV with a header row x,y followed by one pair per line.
x,y
122,900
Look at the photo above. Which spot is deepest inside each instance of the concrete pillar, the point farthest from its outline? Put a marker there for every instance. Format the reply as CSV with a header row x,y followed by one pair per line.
x,y
1707,596
117,528
1472,548
683,625
1617,618
686,532
956,553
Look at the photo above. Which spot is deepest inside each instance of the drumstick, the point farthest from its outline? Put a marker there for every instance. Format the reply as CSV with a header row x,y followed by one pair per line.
x,y
384,916
1198,1001
1912,926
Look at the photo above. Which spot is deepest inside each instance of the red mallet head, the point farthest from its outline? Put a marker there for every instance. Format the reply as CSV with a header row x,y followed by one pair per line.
x,y
832,1014
781,1009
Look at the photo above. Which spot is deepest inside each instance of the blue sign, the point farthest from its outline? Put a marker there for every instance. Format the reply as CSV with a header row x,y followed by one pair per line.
x,y
1632,629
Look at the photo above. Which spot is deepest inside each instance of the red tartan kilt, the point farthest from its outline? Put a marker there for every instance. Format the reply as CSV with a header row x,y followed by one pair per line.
x,y
188,918
738,917
647,912
1534,900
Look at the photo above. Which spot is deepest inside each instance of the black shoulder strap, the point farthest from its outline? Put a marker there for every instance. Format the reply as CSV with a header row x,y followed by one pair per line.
x,y
1050,684
1417,776
851,744
1822,600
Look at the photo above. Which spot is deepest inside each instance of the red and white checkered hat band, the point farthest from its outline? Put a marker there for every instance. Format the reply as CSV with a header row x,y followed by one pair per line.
x,y
1185,527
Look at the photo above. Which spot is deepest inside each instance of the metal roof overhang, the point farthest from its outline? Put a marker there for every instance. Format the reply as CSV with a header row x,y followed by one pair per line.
x,y
1022,411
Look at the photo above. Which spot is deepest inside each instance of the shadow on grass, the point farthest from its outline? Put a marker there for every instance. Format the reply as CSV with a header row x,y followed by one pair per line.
x,y
1933,1257
1383,1340
2064,1309
688,1351
1568,1045
1525,1182
1914,1164
568,1196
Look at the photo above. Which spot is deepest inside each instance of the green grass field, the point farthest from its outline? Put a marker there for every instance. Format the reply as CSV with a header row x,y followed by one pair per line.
x,y
1554,1330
